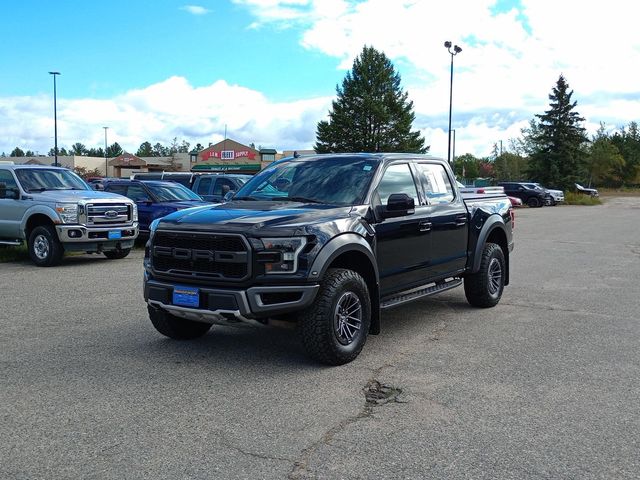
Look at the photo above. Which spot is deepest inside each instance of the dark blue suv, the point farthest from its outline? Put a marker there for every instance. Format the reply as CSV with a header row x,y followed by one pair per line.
x,y
155,199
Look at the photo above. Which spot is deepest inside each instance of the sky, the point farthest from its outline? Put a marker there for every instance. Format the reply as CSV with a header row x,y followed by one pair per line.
x,y
266,71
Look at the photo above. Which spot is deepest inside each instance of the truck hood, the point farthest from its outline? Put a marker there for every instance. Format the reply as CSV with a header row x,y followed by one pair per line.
x,y
179,205
75,196
241,216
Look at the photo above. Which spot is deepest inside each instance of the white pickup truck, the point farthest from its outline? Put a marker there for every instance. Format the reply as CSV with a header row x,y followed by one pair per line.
x,y
55,211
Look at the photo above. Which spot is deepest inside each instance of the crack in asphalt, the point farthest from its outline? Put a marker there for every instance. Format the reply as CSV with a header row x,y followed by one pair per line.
x,y
226,443
300,466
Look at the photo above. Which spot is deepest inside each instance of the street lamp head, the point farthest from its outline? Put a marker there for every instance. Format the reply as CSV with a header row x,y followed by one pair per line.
x,y
457,49
54,73
447,44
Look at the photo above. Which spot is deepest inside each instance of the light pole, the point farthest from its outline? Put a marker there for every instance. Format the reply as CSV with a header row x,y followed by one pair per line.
x,y
55,120
456,50
106,165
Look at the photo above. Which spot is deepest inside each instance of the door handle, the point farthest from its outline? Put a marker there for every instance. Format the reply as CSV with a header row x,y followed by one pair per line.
x,y
461,221
424,226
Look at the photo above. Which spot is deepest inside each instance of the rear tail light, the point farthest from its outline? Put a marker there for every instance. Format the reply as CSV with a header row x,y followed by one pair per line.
x,y
512,213
480,190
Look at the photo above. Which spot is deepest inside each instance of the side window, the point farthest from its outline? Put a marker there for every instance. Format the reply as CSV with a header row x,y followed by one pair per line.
x,y
6,181
204,186
119,189
397,179
436,183
137,194
222,186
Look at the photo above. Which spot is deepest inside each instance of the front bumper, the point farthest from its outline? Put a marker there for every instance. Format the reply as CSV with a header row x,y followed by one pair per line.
x,y
69,233
78,238
224,306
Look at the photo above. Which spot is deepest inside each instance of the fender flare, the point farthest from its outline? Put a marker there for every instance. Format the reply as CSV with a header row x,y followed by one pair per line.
x,y
344,243
336,247
492,223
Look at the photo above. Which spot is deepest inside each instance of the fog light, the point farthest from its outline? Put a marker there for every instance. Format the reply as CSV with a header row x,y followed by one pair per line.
x,y
75,233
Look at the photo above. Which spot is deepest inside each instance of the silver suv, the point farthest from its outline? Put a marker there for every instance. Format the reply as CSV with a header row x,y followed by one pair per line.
x,y
55,211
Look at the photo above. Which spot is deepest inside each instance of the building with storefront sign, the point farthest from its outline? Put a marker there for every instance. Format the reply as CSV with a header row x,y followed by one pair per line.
x,y
233,157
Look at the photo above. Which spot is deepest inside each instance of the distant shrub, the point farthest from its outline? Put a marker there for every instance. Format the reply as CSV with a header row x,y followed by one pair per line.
x,y
572,198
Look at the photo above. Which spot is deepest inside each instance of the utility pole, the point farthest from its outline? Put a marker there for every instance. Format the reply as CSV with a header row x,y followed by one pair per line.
x,y
55,120
106,165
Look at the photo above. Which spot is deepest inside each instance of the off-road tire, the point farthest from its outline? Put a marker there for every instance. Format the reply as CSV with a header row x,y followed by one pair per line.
x,y
317,323
44,247
484,288
117,254
175,327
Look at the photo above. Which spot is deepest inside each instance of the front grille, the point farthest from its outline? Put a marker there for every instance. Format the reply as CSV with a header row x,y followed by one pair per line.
x,y
200,255
105,214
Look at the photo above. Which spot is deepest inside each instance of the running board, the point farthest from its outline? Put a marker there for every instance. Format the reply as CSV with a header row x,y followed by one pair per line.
x,y
13,243
415,293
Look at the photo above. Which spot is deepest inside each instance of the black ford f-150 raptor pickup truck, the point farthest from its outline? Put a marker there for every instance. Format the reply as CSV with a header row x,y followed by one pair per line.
x,y
327,241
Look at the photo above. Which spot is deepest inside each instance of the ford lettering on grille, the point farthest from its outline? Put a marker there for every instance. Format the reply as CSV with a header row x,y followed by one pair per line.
x,y
185,253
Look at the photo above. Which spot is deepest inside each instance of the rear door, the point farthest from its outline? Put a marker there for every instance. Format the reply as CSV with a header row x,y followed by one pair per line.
x,y
448,217
203,186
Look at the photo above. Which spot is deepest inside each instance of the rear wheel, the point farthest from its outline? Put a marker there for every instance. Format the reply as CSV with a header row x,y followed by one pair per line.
x,y
534,202
117,254
334,328
45,249
484,288
176,327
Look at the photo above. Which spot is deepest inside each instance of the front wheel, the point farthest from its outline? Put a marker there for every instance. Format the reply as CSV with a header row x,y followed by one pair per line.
x,y
484,288
45,249
117,254
176,327
334,328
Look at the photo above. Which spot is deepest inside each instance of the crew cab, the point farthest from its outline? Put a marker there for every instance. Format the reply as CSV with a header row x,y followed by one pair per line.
x,y
155,199
55,211
214,187
327,242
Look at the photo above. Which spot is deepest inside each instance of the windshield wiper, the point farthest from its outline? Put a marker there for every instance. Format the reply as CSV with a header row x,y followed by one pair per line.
x,y
301,199
244,198
39,189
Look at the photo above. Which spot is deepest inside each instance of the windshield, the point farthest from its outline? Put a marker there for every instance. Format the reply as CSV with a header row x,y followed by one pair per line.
x,y
329,180
41,179
171,193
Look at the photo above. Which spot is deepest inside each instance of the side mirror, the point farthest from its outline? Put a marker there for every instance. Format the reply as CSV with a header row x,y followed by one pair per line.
x,y
228,196
98,186
398,205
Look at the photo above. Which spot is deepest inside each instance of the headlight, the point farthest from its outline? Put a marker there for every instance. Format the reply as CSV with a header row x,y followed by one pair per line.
x,y
68,212
281,254
135,213
152,227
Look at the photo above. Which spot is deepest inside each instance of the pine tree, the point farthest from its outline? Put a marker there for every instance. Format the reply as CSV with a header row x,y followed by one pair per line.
x,y
371,112
557,156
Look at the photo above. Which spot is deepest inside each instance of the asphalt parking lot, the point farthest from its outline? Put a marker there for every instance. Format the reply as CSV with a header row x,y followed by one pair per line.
x,y
545,385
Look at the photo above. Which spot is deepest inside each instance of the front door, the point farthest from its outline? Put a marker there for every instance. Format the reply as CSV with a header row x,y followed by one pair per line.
x,y
11,210
403,243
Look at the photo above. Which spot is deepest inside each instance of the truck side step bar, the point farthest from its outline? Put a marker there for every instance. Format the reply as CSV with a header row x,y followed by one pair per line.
x,y
423,291
13,243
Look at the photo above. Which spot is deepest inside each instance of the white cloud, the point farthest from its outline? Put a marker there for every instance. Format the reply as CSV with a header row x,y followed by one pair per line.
x,y
195,9
160,112
509,63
